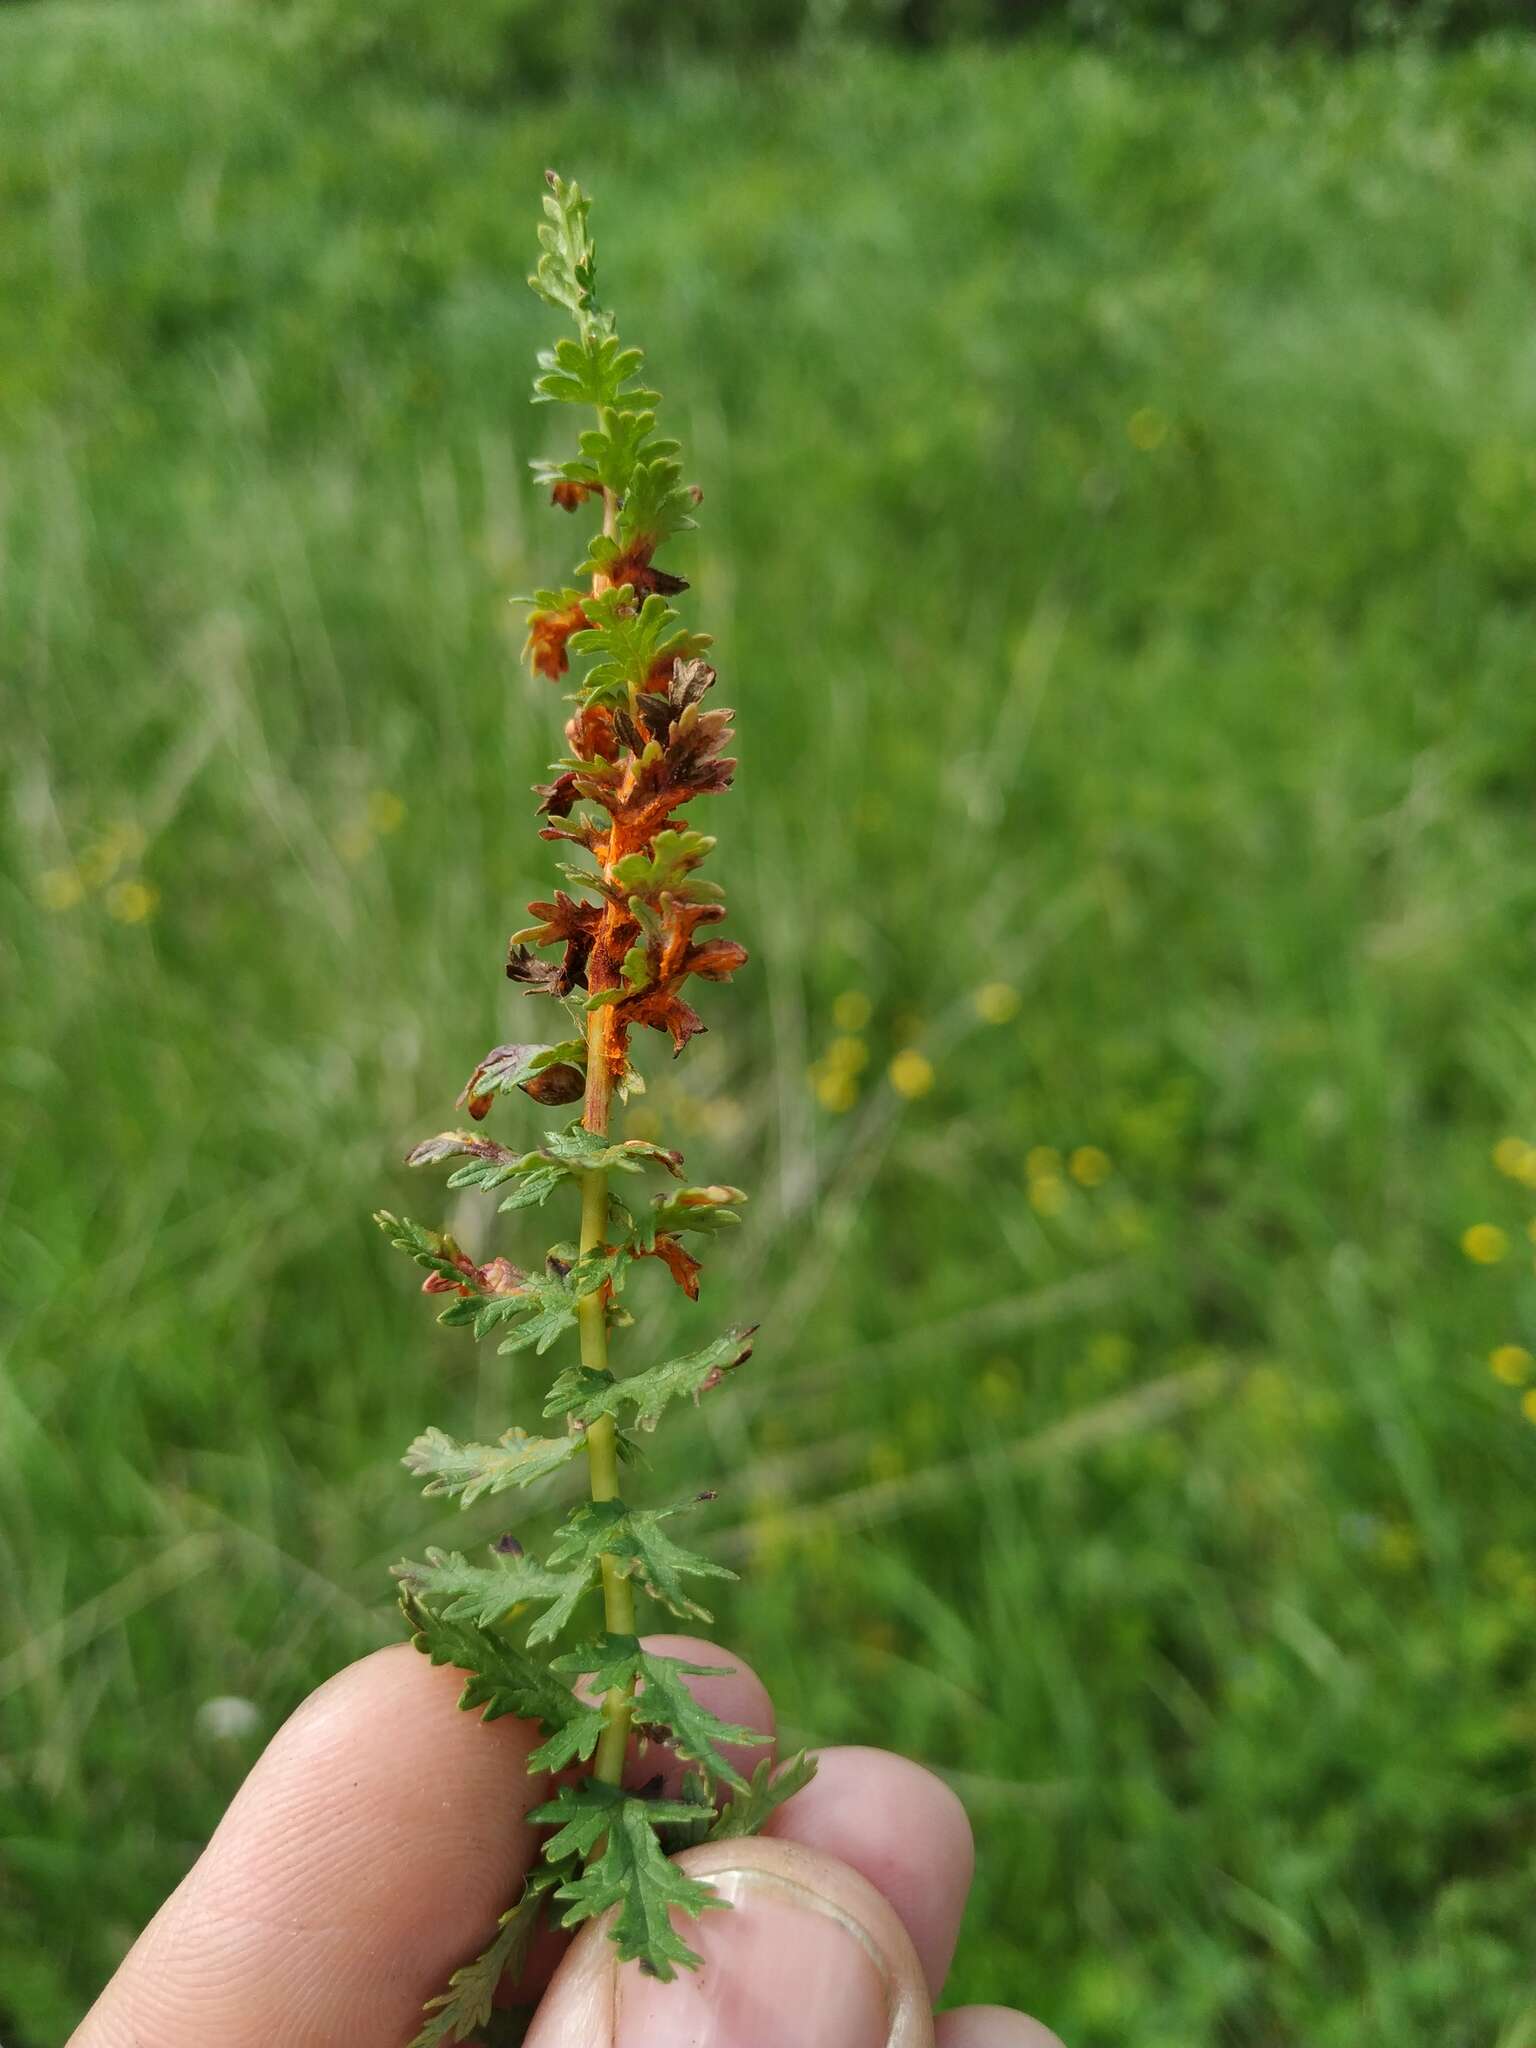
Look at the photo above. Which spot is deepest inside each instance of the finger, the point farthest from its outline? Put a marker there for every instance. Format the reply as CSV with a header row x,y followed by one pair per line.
x,y
809,1954
736,1696
368,1853
900,1827
991,2026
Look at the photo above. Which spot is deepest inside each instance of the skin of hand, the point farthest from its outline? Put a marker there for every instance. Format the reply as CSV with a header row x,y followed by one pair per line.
x,y
374,1843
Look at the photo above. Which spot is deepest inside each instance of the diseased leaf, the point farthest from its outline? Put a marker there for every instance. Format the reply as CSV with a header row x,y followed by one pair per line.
x,y
470,1470
770,1787
551,1074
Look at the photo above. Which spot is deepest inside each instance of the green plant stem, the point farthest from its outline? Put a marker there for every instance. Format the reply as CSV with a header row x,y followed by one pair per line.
x,y
602,1435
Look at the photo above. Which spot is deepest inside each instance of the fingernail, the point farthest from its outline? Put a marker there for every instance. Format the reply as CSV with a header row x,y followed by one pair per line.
x,y
782,1966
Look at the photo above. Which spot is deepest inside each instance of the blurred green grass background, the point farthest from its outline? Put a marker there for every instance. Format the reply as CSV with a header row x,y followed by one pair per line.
x,y
1120,536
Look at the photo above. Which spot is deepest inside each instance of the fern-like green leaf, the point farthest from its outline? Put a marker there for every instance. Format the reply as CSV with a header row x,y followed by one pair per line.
x,y
499,1677
467,1471
770,1787
465,2007
663,1702
583,1395
456,1590
640,1548
629,1869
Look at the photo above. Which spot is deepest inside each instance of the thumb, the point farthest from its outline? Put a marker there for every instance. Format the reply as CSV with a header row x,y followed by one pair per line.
x,y
810,1953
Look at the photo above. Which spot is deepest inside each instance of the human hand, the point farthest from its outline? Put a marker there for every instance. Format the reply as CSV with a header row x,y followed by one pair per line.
x,y
371,1848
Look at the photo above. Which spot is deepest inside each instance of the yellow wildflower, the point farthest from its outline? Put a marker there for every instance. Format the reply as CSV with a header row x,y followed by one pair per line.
x,y
847,1055
996,1001
1509,1156
60,888
1146,429
386,811
1090,1167
835,1090
1512,1364
132,902
1484,1243
852,1010
911,1073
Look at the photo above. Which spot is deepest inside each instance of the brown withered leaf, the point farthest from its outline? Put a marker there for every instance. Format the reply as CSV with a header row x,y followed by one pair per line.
x,y
452,1144
678,1260
591,735
690,763
674,686
548,631
539,977
558,796
563,921
497,1276
633,565
551,1085
716,961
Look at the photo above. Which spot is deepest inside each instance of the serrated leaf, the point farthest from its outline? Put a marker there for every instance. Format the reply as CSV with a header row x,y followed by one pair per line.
x,y
500,1678
567,270
452,1588
640,1548
673,856
620,1662
629,1869
770,1787
583,1395
657,503
465,2007
543,1308
591,371
631,641
467,1471
702,1210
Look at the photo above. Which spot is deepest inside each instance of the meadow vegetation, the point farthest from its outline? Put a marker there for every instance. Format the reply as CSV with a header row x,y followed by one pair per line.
x,y
1122,551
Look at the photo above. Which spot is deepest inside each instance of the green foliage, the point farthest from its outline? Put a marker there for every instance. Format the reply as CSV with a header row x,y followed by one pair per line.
x,y
640,1548
500,49
582,1395
631,641
1261,855
499,1678
664,1703
627,1867
770,1786
649,902
465,2007
448,1585
467,1471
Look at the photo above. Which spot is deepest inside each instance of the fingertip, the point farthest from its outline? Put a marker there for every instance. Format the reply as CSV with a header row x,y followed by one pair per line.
x,y
901,1827
808,1953
365,1856
991,2026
